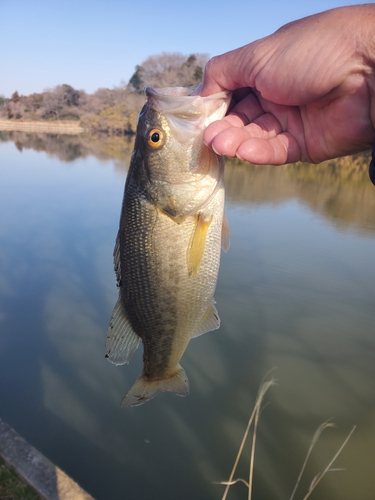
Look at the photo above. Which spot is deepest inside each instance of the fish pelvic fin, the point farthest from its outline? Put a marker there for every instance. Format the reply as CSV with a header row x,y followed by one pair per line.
x,y
198,243
145,389
121,341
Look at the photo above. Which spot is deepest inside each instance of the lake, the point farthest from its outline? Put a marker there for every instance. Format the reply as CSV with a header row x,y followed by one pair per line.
x,y
296,295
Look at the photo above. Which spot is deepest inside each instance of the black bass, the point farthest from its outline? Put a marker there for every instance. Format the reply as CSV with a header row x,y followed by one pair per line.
x,y
167,251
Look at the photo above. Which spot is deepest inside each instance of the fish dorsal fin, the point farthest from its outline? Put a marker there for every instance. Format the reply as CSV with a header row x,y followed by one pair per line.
x,y
225,234
210,321
117,261
122,341
197,243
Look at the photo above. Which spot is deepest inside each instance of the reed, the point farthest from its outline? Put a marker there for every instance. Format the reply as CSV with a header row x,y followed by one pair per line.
x,y
254,420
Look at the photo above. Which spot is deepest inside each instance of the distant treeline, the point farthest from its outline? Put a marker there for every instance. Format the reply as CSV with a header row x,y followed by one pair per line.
x,y
112,111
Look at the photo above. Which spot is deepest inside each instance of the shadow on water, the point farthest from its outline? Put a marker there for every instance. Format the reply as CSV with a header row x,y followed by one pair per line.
x,y
294,292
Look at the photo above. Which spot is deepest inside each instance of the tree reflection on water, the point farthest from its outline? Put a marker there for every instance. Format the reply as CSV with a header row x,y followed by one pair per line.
x,y
338,189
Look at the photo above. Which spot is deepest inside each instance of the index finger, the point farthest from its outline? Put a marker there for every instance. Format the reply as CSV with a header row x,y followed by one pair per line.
x,y
224,72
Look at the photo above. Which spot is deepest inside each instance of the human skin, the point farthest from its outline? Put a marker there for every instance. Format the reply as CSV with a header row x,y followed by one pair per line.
x,y
306,92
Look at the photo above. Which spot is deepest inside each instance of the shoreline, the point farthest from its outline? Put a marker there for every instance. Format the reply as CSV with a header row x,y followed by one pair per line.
x,y
34,469
39,126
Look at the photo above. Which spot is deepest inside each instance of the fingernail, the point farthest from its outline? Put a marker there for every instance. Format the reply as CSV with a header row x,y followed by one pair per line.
x,y
214,150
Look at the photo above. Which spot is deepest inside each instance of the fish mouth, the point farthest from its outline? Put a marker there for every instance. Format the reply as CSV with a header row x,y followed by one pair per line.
x,y
179,103
169,91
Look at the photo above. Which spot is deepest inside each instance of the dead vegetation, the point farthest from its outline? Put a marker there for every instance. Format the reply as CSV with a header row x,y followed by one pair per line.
x,y
253,422
112,111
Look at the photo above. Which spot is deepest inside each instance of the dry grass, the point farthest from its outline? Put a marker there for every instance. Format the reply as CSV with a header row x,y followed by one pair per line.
x,y
66,127
254,419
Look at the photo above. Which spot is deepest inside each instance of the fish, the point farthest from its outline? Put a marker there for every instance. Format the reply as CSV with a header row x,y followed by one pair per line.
x,y
172,228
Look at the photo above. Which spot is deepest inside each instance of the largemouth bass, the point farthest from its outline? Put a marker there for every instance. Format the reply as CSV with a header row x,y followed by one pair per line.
x,y
167,251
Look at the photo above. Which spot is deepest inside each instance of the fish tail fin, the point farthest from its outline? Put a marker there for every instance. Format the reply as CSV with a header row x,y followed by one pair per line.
x,y
145,389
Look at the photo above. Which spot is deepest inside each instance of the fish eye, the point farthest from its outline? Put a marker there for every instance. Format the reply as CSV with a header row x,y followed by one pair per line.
x,y
155,138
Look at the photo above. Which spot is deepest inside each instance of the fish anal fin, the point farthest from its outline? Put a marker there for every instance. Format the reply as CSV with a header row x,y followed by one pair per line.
x,y
121,341
225,234
210,321
198,243
145,389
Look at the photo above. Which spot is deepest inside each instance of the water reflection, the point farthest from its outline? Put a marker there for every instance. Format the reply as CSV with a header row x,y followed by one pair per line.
x,y
294,292
69,148
337,189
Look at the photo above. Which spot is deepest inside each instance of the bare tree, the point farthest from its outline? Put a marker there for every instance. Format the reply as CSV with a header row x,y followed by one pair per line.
x,y
169,70
15,106
113,110
61,102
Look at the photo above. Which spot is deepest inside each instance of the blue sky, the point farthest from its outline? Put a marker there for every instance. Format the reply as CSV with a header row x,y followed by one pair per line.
x,y
91,44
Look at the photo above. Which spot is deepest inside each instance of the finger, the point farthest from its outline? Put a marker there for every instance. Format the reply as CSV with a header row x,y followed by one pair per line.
x,y
240,94
211,78
248,108
215,128
228,71
242,114
226,139
274,151
229,139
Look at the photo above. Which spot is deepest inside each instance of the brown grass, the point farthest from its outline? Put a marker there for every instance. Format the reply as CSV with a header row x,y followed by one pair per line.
x,y
254,419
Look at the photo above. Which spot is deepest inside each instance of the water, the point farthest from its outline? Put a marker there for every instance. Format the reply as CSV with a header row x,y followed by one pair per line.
x,y
295,294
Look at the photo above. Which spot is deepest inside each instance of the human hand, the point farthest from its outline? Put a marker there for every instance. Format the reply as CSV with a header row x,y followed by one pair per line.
x,y
304,93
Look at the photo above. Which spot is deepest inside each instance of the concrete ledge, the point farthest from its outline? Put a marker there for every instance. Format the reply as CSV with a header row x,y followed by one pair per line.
x,y
48,480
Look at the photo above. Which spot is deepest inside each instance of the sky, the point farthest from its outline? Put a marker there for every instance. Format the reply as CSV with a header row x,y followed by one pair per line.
x,y
91,44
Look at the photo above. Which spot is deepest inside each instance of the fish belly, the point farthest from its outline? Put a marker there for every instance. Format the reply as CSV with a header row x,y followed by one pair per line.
x,y
164,302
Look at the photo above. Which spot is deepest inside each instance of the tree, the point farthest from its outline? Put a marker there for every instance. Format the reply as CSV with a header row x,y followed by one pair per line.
x,y
136,80
62,102
69,95
15,97
169,70
112,110
15,106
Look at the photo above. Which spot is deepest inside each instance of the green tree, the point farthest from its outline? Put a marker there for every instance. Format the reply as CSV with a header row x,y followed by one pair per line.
x,y
136,79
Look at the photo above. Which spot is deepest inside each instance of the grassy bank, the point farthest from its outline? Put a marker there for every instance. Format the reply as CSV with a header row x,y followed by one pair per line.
x,y
12,487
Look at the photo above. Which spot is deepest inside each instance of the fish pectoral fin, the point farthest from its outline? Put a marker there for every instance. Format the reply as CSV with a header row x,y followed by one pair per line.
x,y
122,341
210,321
198,243
225,234
145,389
